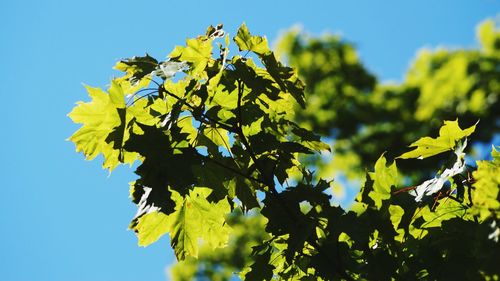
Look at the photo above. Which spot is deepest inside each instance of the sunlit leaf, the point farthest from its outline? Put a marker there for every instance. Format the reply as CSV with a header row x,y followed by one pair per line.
x,y
195,218
151,227
248,42
197,52
103,128
137,67
384,178
486,199
449,134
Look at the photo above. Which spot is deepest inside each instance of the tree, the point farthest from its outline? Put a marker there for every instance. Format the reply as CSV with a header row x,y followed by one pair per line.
x,y
366,118
221,148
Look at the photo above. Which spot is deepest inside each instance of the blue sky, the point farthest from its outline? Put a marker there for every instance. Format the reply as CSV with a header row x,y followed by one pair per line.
x,y
63,218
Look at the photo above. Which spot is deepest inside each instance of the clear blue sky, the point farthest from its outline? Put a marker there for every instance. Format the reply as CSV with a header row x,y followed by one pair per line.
x,y
63,218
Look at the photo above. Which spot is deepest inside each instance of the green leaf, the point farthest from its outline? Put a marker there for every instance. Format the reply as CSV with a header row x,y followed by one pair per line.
x,y
254,127
167,159
486,198
217,178
218,136
261,269
446,210
137,68
104,126
397,212
247,42
449,134
245,189
186,126
383,178
285,77
198,53
195,218
151,227
310,140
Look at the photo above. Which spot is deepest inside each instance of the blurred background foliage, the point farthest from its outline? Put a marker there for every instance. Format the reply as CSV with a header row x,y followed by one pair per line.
x,y
363,118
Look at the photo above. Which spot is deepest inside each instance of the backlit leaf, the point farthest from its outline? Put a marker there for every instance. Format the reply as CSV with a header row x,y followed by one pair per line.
x,y
151,227
486,199
195,218
384,178
103,128
198,53
248,42
449,134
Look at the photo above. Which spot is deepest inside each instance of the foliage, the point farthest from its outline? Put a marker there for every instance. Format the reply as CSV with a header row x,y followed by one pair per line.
x,y
220,145
222,263
364,119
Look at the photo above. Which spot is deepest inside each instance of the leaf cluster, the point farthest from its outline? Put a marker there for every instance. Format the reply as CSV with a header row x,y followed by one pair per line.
x,y
218,147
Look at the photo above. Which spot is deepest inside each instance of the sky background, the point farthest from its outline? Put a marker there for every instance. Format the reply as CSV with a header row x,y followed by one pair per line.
x,y
64,218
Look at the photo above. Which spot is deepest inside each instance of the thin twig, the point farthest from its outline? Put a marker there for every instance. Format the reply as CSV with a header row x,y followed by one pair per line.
x,y
244,140
238,172
141,97
203,115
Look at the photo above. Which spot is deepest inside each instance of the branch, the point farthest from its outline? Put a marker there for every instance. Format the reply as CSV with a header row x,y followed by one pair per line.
x,y
239,131
236,171
270,183
205,117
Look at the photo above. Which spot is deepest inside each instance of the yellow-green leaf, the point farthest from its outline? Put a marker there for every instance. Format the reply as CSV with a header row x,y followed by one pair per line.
x,y
247,42
195,219
197,52
254,128
151,227
397,213
383,178
218,136
449,134
103,116
486,199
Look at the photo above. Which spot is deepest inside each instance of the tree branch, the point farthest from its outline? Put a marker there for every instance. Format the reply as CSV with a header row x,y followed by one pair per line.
x,y
236,171
205,117
239,131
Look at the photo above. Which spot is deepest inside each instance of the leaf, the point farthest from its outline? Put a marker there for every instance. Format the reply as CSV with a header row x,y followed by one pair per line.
x,y
195,218
104,126
244,189
247,42
137,67
286,218
197,52
167,158
486,198
151,227
310,140
449,134
397,212
186,126
215,177
383,178
217,135
254,127
447,210
435,184
261,269
146,112
285,77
